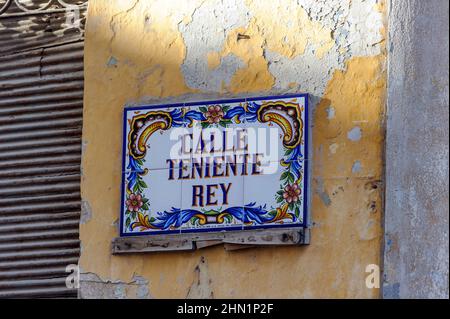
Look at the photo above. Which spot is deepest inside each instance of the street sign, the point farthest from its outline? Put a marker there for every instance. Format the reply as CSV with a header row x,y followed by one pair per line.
x,y
215,165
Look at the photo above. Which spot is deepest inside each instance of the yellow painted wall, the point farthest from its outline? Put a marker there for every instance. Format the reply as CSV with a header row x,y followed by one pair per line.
x,y
138,52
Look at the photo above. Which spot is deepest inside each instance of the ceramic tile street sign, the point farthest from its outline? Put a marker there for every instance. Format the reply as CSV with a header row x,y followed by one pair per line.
x,y
215,165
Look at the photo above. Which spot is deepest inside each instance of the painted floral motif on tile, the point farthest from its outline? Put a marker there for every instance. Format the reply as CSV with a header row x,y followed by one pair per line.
x,y
145,201
281,190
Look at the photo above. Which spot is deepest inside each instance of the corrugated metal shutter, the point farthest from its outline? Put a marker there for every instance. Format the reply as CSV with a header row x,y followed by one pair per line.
x,y
41,101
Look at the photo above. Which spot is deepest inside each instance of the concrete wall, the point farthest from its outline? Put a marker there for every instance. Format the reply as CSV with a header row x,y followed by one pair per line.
x,y
417,211
139,52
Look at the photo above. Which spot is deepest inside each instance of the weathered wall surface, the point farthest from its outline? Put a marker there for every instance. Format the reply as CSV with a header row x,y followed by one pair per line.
x,y
157,51
416,253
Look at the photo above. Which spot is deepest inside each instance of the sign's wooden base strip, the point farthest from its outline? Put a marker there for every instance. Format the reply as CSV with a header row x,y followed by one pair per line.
x,y
232,240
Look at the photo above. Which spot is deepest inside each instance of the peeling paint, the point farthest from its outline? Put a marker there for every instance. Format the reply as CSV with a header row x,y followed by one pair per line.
x,y
356,167
281,39
201,284
112,62
86,212
323,195
331,112
333,148
354,134
203,36
94,287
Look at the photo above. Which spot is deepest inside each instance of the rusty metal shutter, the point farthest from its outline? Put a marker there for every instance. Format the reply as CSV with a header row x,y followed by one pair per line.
x,y
41,101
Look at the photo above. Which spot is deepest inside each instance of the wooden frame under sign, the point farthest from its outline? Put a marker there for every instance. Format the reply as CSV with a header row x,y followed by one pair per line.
x,y
230,171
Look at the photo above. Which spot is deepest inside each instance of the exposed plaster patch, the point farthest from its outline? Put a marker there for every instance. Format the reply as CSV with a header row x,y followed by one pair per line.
x,y
221,76
356,167
279,37
119,291
329,12
86,212
226,70
357,27
112,62
313,72
116,224
206,33
142,289
333,148
307,70
307,59
201,285
354,134
92,286
331,112
368,231
320,190
365,25
255,76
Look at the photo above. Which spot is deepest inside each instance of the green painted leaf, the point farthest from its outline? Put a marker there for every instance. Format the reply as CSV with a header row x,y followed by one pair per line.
x,y
194,220
284,175
291,177
128,222
297,212
203,109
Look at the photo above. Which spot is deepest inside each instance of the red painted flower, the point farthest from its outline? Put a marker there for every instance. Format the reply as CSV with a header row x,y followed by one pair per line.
x,y
291,193
134,202
214,114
